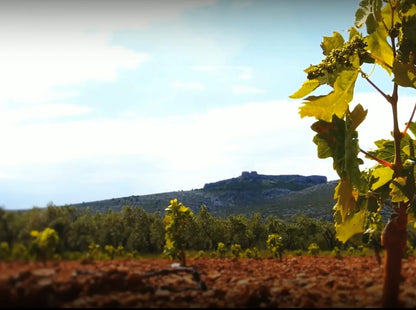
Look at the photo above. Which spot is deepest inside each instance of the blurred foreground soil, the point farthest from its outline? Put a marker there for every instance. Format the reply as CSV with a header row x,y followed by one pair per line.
x,y
301,281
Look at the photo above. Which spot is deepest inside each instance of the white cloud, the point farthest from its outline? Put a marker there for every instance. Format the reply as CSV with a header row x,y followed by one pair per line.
x,y
42,112
242,72
188,85
240,89
245,75
207,68
178,140
379,121
51,43
171,153
96,16
32,67
269,137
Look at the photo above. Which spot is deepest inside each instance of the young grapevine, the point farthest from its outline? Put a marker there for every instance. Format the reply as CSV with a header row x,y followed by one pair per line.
x,y
176,220
389,43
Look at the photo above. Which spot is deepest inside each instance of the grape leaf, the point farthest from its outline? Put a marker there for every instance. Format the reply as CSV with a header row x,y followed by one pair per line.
x,y
385,150
412,127
396,192
408,42
404,74
357,116
336,102
368,13
330,43
353,226
338,139
353,32
346,199
383,174
380,49
352,162
306,88
330,141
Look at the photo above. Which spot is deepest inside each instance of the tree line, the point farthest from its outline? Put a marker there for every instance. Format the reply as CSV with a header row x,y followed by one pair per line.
x,y
135,230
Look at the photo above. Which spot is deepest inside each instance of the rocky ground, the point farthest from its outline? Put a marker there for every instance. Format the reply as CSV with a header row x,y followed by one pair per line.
x,y
301,281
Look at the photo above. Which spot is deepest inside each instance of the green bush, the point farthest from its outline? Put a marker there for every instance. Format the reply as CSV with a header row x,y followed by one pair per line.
x,y
19,252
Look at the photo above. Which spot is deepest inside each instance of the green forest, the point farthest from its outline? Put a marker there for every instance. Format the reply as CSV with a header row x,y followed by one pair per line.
x,y
134,233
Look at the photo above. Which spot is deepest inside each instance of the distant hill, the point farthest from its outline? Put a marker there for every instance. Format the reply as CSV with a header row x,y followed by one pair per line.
x,y
278,195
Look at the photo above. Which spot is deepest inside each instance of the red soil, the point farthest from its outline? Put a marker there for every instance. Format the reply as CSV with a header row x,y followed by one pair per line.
x,y
205,283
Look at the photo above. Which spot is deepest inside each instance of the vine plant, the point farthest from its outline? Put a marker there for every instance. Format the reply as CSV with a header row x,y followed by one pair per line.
x,y
274,244
176,220
389,43
44,243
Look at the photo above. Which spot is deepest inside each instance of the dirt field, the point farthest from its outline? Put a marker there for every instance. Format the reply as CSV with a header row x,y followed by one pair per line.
x,y
205,283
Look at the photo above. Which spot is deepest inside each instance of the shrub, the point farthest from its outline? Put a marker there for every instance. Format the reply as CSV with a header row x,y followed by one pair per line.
x,y
19,252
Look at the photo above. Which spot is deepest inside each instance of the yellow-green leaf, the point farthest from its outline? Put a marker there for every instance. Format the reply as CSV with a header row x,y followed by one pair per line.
x,y
404,74
34,233
346,198
368,13
184,209
357,116
306,88
353,32
323,149
330,43
396,193
384,175
380,49
336,102
351,227
389,18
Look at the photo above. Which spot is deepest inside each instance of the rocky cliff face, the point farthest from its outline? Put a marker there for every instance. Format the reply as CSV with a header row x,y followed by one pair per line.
x,y
252,181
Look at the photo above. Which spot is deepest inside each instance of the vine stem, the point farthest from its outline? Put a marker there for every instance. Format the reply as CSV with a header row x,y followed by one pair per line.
x,y
365,76
381,161
394,236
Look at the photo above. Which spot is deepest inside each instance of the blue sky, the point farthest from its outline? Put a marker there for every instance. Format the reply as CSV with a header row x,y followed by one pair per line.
x,y
105,99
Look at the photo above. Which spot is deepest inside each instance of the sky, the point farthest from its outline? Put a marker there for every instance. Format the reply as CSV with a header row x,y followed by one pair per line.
x,y
107,99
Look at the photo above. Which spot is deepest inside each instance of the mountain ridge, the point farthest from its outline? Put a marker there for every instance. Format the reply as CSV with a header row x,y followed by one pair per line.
x,y
279,195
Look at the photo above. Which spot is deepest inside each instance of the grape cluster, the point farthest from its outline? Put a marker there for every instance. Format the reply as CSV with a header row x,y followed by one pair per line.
x,y
339,58
406,5
395,31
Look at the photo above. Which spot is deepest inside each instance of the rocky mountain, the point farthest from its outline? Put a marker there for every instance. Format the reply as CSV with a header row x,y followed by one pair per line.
x,y
279,195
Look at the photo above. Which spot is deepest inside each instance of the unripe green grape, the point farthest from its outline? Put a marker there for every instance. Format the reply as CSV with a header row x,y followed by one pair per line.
x,y
339,58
